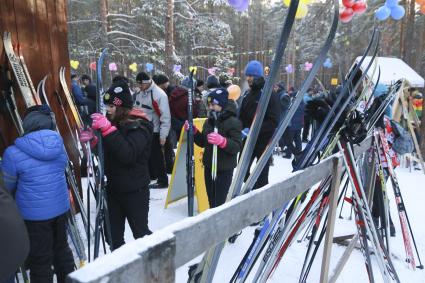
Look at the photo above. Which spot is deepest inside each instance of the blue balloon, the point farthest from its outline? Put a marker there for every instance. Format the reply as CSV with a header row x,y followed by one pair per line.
x,y
382,13
149,67
397,12
391,3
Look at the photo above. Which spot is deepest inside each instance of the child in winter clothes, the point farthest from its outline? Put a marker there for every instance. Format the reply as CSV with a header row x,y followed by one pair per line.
x,y
228,141
127,136
34,172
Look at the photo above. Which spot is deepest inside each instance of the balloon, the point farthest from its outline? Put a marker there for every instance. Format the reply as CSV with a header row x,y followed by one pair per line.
x,y
149,67
289,69
74,64
133,67
239,5
346,15
194,69
423,9
348,3
287,2
212,70
113,67
305,1
234,92
301,11
92,66
420,2
383,13
359,7
391,3
177,68
397,12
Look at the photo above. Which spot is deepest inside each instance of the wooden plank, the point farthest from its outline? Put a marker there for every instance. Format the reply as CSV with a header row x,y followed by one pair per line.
x,y
242,211
333,204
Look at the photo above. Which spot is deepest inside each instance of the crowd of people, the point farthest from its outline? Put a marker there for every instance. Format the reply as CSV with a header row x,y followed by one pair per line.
x,y
140,130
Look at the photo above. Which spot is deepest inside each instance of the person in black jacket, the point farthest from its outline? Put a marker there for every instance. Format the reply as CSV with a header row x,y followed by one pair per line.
x,y
127,138
228,141
255,78
14,241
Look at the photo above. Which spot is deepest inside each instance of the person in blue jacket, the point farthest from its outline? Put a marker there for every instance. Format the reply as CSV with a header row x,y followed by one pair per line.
x,y
34,172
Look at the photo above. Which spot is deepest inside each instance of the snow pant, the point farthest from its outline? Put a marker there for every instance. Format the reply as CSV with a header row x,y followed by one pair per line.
x,y
263,179
169,155
307,124
49,245
293,141
157,162
217,193
134,207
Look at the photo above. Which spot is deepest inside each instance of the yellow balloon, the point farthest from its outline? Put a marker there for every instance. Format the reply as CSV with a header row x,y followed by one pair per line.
x,y
194,68
133,67
234,92
301,11
74,64
287,2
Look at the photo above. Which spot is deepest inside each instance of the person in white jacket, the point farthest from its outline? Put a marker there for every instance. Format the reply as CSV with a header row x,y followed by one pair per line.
x,y
154,102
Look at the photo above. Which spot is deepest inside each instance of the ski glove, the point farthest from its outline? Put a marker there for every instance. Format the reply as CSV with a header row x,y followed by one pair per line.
x,y
186,127
100,122
217,139
245,133
88,136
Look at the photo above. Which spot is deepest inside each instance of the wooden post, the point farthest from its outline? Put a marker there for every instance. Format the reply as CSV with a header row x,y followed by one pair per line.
x,y
333,203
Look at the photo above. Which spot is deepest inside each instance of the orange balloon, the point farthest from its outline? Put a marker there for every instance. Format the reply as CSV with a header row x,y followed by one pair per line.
x,y
234,92
423,9
420,2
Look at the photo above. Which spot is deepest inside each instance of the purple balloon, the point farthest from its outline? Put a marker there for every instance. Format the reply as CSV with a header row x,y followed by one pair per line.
x,y
235,3
239,5
383,13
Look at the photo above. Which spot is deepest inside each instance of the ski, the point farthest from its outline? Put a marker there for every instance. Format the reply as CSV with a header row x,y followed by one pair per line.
x,y
18,71
404,221
190,158
69,98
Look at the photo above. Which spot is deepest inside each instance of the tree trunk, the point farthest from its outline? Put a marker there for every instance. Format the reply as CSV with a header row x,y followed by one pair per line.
x,y
169,39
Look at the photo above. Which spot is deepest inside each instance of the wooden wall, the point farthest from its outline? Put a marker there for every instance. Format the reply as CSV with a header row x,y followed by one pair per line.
x,y
39,28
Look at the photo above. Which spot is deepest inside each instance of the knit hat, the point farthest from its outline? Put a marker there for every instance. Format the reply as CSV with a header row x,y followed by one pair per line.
x,y
160,79
143,78
212,82
186,83
254,69
119,95
218,96
38,117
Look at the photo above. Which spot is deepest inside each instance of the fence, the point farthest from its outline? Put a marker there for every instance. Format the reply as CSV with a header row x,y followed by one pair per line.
x,y
155,258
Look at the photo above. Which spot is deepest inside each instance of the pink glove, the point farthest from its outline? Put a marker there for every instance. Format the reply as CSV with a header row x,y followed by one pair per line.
x,y
186,127
100,122
217,139
88,135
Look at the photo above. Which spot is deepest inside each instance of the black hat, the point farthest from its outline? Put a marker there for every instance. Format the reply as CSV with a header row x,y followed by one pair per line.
x,y
119,95
143,78
119,78
38,117
219,96
199,83
212,82
160,79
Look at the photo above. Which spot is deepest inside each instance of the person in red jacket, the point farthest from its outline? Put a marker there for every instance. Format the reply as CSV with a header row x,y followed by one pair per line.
x,y
178,102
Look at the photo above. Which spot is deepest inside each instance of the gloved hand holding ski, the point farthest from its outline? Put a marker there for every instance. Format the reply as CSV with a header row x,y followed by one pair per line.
x,y
217,139
100,122
186,127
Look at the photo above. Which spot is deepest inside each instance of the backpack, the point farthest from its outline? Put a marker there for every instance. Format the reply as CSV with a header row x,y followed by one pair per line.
x,y
403,142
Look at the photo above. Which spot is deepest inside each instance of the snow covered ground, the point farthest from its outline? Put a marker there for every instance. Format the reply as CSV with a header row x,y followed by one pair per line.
x,y
413,190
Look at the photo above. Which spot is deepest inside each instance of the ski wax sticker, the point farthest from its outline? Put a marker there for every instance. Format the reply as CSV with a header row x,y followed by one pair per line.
x,y
107,96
